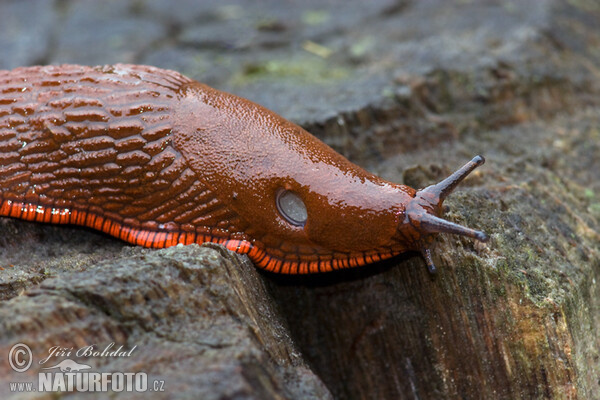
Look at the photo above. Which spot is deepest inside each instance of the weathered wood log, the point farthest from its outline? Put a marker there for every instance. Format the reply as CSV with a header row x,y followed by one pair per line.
x,y
196,318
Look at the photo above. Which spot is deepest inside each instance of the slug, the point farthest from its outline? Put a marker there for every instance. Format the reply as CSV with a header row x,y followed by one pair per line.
x,y
156,159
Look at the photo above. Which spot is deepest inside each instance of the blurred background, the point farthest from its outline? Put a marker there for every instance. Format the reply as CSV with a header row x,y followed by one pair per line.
x,y
314,62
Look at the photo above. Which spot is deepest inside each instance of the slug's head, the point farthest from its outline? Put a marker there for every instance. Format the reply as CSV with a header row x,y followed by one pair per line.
x,y
422,213
289,201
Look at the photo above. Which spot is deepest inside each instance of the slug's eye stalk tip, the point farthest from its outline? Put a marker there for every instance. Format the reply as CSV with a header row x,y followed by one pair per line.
x,y
479,160
481,236
442,189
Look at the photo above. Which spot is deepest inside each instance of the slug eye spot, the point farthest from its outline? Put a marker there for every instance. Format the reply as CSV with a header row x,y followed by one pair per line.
x,y
291,207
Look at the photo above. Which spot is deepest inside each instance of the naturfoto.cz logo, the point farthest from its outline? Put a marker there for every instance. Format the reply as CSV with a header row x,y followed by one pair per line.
x,y
69,375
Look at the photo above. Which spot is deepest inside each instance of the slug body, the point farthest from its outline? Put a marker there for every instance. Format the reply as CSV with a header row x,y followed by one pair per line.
x,y
156,159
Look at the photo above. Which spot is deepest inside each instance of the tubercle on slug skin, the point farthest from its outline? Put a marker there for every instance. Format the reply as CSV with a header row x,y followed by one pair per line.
x,y
157,159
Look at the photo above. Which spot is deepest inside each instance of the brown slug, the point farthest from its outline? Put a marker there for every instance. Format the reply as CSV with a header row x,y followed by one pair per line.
x,y
154,158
